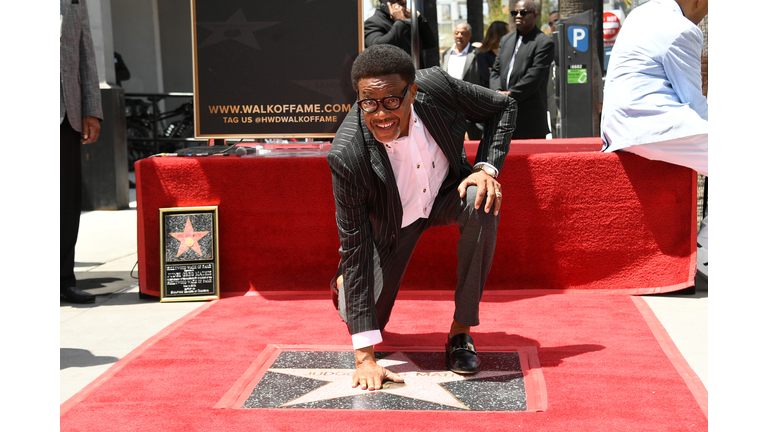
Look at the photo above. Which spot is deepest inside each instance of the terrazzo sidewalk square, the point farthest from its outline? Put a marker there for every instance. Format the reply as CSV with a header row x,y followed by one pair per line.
x,y
321,378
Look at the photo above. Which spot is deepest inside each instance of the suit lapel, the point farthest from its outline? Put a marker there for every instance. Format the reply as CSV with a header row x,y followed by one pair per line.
x,y
470,59
522,52
505,57
437,124
381,167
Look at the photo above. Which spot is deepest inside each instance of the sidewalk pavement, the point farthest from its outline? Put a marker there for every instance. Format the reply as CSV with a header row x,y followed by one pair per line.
x,y
94,336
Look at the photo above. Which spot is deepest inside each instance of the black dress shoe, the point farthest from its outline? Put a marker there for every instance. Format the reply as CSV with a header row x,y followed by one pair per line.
x,y
460,355
74,295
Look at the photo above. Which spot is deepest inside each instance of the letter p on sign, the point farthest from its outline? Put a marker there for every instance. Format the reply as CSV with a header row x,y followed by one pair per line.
x,y
578,38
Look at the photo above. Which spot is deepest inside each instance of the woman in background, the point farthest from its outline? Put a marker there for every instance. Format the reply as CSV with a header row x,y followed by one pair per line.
x,y
486,55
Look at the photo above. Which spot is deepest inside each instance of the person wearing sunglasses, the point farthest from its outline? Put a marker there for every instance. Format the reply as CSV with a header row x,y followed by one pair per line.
x,y
399,167
522,70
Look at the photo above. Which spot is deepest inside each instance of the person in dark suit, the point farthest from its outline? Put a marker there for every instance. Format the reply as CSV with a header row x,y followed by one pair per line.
x,y
79,119
459,62
391,24
462,53
399,167
526,80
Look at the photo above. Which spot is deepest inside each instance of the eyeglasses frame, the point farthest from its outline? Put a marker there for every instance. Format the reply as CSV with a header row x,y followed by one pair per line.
x,y
380,102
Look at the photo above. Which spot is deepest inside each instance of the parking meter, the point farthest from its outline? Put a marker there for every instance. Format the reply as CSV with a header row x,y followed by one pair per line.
x,y
574,39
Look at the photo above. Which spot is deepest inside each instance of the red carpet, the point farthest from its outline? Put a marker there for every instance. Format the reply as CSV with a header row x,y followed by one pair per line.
x,y
600,361
584,221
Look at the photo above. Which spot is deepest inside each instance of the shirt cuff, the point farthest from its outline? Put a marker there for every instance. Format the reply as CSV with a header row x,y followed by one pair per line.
x,y
366,339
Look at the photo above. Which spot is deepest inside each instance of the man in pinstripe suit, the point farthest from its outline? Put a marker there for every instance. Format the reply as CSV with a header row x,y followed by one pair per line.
x,y
399,167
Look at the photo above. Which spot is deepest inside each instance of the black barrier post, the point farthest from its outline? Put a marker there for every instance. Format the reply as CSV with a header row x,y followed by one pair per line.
x,y
104,162
414,34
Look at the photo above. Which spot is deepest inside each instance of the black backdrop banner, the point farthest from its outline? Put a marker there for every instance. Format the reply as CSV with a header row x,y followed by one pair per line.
x,y
274,68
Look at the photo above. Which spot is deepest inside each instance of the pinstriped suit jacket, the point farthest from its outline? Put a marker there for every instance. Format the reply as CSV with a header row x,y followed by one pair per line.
x,y
368,208
79,81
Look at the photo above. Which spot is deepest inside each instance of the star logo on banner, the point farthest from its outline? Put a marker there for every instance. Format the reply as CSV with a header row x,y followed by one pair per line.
x,y
334,88
331,87
421,384
236,28
189,239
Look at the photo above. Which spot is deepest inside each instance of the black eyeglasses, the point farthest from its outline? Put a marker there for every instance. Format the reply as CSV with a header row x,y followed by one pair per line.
x,y
521,12
390,102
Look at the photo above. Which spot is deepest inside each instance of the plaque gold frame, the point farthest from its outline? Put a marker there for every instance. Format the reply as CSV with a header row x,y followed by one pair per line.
x,y
210,293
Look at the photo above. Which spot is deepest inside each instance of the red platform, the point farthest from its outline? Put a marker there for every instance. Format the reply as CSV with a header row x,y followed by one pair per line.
x,y
573,219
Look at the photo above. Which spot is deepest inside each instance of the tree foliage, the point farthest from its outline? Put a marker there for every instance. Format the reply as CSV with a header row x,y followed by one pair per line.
x,y
569,8
498,10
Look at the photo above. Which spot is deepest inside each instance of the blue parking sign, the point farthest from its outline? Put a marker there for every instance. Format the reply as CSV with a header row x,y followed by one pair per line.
x,y
579,38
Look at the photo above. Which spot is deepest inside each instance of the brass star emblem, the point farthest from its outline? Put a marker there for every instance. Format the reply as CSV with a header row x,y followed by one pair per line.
x,y
189,239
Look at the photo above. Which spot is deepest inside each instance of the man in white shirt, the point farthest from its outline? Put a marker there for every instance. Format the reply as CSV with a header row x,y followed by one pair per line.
x,y
399,167
459,62
653,103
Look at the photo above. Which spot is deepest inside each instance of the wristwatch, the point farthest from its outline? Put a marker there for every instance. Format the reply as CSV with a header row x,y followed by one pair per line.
x,y
491,171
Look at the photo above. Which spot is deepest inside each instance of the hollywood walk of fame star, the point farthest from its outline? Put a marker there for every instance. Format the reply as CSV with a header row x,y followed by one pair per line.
x,y
421,384
188,239
236,28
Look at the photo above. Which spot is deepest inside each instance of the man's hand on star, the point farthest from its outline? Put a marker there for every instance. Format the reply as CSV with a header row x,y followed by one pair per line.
x,y
368,374
487,188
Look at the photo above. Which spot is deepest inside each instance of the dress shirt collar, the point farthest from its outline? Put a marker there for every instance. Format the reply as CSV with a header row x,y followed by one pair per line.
x,y
464,52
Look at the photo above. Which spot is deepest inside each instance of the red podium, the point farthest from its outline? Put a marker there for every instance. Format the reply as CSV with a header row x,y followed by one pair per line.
x,y
573,219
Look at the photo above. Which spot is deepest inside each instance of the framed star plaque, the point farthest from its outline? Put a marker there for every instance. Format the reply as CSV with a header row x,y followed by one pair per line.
x,y
189,253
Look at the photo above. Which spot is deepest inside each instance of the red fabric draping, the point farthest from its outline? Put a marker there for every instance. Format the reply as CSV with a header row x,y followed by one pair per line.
x,y
612,222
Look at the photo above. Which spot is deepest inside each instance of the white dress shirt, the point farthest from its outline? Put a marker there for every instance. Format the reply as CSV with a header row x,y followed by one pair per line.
x,y
653,85
456,62
420,168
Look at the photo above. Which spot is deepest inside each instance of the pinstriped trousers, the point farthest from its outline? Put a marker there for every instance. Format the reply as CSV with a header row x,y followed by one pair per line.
x,y
475,249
